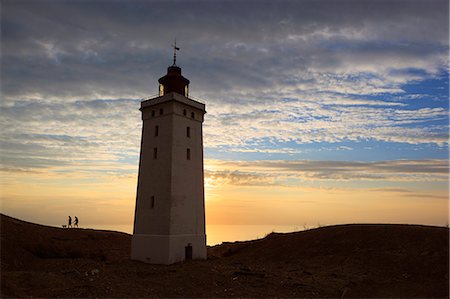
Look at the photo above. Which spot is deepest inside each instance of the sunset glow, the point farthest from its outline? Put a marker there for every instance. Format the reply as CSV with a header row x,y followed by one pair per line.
x,y
318,112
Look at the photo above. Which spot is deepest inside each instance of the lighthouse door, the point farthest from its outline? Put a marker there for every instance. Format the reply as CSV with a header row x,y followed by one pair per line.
x,y
188,252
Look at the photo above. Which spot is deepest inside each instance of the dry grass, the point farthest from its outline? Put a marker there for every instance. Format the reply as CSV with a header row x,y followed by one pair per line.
x,y
335,262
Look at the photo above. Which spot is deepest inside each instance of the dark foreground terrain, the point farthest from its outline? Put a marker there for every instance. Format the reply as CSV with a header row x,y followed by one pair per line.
x,y
337,261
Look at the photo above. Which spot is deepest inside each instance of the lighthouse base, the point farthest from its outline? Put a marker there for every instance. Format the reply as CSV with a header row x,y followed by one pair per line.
x,y
167,249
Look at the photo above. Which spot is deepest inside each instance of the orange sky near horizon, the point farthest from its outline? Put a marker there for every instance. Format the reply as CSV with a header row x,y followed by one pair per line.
x,y
236,198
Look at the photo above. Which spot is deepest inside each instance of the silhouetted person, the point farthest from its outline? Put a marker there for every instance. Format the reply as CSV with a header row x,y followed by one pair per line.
x,y
69,222
75,223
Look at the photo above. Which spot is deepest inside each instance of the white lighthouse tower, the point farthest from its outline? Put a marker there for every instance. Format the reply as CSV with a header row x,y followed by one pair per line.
x,y
169,221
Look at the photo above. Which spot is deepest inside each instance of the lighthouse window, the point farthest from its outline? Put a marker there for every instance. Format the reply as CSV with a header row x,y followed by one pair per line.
x,y
155,153
156,131
188,132
192,115
161,111
188,154
152,202
184,112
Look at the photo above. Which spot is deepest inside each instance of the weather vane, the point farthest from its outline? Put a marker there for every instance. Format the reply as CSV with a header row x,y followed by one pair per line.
x,y
175,48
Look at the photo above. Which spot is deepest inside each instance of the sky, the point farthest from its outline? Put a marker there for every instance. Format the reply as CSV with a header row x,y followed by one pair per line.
x,y
318,112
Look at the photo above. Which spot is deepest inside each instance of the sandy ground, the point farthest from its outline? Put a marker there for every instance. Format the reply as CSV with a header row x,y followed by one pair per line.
x,y
336,262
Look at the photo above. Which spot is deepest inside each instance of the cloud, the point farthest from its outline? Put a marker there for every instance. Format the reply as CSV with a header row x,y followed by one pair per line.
x,y
286,173
299,73
37,134
307,122
238,178
115,49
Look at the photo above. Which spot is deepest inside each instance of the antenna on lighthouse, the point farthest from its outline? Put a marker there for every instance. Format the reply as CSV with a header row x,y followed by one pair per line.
x,y
175,49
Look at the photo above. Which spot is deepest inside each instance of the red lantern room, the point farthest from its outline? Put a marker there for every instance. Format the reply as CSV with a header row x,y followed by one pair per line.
x,y
174,81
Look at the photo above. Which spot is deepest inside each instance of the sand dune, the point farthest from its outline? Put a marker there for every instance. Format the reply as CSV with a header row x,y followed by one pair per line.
x,y
337,261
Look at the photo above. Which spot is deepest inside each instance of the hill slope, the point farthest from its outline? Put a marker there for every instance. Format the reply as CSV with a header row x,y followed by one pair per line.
x,y
337,261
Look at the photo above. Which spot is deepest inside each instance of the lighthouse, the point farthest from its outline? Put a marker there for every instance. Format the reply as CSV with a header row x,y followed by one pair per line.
x,y
169,221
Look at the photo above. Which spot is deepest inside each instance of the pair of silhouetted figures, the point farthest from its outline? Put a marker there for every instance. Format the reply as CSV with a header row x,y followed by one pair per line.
x,y
75,222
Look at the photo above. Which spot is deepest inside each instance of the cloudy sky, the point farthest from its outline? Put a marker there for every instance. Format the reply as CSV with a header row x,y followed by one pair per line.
x,y
318,111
